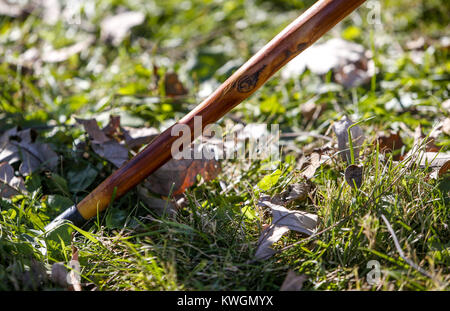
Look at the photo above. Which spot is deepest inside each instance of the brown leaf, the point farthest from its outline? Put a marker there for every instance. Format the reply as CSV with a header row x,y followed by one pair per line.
x,y
311,110
177,175
389,143
283,220
115,28
10,185
340,129
444,168
293,281
173,86
353,175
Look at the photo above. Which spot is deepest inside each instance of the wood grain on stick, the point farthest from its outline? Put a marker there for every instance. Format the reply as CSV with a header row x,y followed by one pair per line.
x,y
294,39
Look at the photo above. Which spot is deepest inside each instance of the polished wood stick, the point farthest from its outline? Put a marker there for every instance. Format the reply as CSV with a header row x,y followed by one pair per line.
x,y
294,39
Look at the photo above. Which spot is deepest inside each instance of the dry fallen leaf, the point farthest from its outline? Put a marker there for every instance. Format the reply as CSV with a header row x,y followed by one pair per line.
x,y
439,163
115,28
113,142
354,175
177,175
293,281
173,86
315,161
340,129
106,147
112,151
350,61
16,145
10,185
73,278
389,143
283,220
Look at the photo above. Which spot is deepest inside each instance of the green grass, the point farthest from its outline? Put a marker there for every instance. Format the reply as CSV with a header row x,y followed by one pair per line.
x,y
210,244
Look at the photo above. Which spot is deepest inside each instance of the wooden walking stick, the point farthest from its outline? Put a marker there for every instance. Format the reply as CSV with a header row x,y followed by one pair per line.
x,y
294,39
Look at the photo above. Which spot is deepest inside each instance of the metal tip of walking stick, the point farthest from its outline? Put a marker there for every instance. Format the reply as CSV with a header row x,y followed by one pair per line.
x,y
71,214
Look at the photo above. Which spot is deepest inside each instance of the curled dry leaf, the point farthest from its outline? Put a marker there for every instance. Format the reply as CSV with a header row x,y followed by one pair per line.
x,y
340,129
10,185
115,28
283,220
293,281
354,175
21,146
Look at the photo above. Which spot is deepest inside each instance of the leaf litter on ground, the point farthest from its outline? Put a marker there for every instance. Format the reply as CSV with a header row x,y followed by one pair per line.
x,y
114,143
284,220
22,146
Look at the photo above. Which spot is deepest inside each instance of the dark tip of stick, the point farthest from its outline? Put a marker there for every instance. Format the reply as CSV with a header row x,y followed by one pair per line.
x,y
71,214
